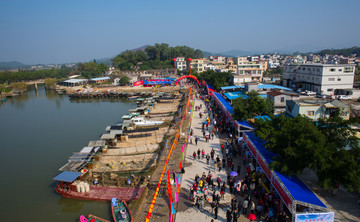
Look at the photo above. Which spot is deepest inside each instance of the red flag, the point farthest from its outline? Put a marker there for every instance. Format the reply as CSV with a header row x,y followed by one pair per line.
x,y
169,187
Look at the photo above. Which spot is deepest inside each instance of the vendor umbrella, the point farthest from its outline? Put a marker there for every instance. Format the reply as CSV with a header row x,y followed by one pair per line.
x,y
233,173
251,217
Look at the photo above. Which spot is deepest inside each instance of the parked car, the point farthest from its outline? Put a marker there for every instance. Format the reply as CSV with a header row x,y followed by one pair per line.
x,y
310,93
322,96
344,97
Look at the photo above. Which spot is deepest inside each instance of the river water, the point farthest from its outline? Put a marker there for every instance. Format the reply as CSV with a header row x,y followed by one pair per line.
x,y
38,132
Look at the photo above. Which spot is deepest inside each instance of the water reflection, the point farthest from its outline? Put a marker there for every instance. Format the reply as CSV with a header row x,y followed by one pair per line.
x,y
74,206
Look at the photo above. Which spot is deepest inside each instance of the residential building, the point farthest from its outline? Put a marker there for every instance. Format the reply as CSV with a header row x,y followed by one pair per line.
x,y
253,70
323,79
264,64
180,63
218,58
197,64
279,98
231,65
242,60
240,79
315,109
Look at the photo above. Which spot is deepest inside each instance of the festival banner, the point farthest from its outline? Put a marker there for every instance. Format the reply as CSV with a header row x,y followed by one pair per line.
x,y
314,217
169,187
151,208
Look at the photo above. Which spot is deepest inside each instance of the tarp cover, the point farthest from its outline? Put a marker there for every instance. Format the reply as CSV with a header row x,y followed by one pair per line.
x,y
299,191
67,176
89,149
224,103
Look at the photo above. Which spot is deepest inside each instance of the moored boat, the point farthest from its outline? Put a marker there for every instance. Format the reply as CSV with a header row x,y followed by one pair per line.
x,y
140,121
120,211
92,218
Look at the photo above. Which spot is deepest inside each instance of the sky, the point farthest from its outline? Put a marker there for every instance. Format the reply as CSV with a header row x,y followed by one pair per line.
x,y
45,32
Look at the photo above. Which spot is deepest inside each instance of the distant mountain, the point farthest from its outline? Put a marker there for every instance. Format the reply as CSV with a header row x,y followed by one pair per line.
x,y
236,52
344,51
12,65
142,48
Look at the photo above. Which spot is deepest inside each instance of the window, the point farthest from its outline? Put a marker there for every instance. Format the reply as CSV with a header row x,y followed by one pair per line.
x,y
331,79
282,99
310,113
317,70
339,79
340,70
332,70
330,90
349,69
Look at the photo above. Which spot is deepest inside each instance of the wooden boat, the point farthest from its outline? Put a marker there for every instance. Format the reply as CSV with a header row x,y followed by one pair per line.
x,y
120,211
92,218
140,121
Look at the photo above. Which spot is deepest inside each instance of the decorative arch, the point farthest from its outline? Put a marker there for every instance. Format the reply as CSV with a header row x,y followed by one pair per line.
x,y
183,77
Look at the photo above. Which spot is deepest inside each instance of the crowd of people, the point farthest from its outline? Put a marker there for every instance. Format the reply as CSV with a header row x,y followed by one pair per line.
x,y
243,181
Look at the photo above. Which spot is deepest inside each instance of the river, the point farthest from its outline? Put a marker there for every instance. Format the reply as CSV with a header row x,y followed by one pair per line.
x,y
39,131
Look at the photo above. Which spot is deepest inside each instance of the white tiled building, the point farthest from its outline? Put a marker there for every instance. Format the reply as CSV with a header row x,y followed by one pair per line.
x,y
323,79
180,63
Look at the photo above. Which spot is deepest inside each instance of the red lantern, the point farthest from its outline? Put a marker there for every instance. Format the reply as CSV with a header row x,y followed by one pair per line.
x,y
174,59
189,59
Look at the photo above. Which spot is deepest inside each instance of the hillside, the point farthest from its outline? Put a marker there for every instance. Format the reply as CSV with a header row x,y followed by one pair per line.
x,y
11,65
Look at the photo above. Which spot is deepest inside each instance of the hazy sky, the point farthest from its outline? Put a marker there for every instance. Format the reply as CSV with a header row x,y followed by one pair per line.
x,y
49,31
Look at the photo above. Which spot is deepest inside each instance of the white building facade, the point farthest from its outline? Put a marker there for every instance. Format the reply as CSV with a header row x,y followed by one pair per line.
x,y
323,79
180,63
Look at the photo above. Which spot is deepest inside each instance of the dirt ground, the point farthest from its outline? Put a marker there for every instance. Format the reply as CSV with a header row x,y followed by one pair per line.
x,y
140,207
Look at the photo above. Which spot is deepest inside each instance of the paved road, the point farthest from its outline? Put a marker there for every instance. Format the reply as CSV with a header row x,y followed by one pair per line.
x,y
185,210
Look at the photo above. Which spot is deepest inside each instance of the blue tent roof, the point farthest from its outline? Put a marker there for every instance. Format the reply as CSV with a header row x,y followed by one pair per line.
x,y
210,87
244,123
225,103
146,82
270,86
235,95
232,87
265,117
299,191
67,176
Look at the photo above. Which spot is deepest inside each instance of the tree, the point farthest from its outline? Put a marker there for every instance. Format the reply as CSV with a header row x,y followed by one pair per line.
x,y
50,82
297,143
124,80
215,79
252,105
343,165
103,68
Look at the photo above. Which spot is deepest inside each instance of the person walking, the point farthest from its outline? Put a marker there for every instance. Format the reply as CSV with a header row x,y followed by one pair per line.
x,y
235,215
202,154
228,215
212,153
216,212
245,206
194,155
207,158
252,207
218,180
219,165
196,140
198,153
212,206
202,202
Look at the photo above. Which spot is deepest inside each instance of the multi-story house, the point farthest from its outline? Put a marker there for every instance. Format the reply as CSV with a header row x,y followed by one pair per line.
x,y
197,64
254,70
323,79
315,109
180,63
242,60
